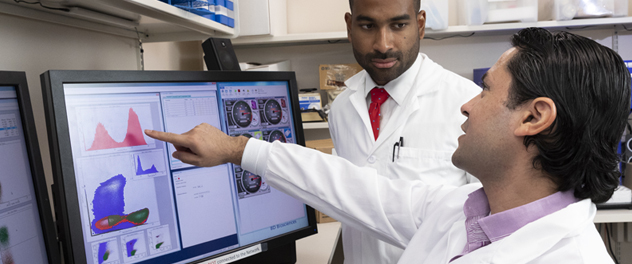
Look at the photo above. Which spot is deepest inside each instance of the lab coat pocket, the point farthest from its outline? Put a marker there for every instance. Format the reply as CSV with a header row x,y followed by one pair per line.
x,y
430,166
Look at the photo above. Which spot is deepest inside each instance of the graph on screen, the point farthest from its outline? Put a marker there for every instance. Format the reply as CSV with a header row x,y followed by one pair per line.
x,y
133,137
135,246
116,205
149,163
19,237
141,171
105,252
115,126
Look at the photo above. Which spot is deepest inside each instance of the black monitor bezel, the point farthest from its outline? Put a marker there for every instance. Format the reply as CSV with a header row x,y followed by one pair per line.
x,y
64,191
18,80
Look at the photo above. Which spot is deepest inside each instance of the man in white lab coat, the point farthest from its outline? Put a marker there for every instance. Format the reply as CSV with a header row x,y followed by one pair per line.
x,y
421,110
541,137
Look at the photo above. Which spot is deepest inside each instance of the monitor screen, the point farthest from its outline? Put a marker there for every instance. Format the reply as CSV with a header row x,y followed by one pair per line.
x,y
127,200
27,232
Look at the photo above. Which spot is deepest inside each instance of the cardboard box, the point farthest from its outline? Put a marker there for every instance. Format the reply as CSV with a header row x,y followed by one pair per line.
x,y
333,76
322,145
323,218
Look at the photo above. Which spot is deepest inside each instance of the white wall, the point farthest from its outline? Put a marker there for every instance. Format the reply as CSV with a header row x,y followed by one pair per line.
x,y
174,56
309,16
35,47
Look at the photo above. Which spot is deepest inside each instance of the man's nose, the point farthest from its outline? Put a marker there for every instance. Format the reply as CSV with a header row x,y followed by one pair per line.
x,y
383,40
465,107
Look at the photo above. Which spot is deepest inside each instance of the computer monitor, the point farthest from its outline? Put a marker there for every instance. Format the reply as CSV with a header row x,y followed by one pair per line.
x,y
120,195
27,231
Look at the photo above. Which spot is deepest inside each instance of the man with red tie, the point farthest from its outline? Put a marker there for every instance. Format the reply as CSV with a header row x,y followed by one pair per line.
x,y
400,115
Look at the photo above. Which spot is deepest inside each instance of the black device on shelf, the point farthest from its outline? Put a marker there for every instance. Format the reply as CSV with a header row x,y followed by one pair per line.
x,y
121,196
219,55
27,230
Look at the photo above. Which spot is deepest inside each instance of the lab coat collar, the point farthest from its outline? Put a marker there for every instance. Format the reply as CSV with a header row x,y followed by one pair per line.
x,y
536,238
426,80
358,100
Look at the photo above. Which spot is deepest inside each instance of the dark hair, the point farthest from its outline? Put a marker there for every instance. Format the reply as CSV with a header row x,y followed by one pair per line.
x,y
416,4
590,87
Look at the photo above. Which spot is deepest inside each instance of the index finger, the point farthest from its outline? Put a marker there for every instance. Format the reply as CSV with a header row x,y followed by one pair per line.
x,y
173,138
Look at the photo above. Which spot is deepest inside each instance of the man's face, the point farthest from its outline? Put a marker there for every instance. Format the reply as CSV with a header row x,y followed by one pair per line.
x,y
385,36
489,144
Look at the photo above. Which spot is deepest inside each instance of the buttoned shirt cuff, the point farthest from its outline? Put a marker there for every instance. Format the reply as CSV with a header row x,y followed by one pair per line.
x,y
255,157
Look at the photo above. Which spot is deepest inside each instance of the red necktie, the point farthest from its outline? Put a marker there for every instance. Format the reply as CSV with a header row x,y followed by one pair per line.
x,y
378,96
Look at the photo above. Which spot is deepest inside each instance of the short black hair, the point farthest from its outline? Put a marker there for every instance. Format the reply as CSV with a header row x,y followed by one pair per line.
x,y
590,86
416,4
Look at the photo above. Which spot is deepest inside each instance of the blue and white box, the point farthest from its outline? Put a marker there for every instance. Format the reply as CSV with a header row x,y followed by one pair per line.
x,y
309,101
231,13
211,10
223,13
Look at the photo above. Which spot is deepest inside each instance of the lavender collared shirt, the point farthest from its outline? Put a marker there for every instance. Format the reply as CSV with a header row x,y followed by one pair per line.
x,y
484,229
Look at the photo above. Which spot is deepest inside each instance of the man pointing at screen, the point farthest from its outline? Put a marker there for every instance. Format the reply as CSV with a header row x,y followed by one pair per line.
x,y
541,137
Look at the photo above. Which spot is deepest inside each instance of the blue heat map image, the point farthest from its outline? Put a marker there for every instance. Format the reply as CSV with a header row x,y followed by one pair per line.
x,y
108,200
104,252
108,208
131,250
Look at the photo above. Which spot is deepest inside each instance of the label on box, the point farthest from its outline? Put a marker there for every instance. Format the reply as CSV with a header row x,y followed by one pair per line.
x,y
309,101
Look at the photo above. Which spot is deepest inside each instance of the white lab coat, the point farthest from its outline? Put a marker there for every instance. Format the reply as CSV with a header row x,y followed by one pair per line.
x,y
429,120
426,220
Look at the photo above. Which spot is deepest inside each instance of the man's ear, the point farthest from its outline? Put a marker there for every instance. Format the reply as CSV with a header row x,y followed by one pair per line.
x,y
536,116
421,22
349,21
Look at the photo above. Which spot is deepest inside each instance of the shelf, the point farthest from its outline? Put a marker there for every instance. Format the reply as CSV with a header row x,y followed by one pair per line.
x,y
316,125
318,249
613,216
488,29
152,20
164,17
291,38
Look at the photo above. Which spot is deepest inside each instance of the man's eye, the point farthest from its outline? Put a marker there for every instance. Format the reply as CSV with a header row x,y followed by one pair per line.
x,y
485,87
367,26
400,25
